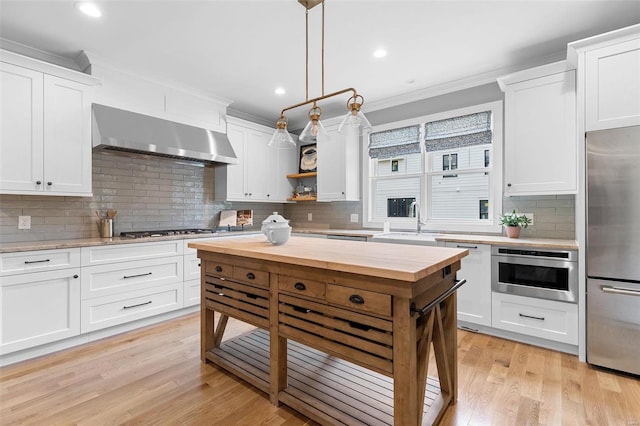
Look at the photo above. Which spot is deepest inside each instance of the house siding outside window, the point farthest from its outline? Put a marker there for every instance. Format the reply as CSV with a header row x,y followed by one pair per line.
x,y
462,140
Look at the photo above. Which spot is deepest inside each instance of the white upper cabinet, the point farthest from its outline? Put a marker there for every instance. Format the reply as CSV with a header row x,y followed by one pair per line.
x,y
45,145
608,78
613,86
261,172
338,165
540,131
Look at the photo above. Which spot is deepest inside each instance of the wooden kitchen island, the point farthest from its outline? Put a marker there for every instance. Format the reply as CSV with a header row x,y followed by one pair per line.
x,y
343,327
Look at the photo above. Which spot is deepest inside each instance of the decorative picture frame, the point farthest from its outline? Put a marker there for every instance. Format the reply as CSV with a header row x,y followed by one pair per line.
x,y
308,158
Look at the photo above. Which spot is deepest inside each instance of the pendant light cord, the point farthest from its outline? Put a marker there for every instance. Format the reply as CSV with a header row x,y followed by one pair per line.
x,y
306,52
322,47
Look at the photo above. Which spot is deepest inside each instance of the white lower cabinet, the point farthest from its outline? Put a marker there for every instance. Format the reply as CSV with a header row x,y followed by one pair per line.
x,y
39,308
541,318
122,307
192,293
474,297
115,291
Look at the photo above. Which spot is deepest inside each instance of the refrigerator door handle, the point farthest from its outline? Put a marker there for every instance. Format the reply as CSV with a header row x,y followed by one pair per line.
x,y
618,290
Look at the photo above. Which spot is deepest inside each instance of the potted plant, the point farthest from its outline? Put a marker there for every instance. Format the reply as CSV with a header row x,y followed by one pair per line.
x,y
513,222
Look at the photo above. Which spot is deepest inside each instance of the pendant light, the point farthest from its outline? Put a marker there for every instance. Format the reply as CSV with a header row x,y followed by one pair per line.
x,y
314,128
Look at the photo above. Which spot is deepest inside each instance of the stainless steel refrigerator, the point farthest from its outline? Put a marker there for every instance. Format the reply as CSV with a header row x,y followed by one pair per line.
x,y
613,248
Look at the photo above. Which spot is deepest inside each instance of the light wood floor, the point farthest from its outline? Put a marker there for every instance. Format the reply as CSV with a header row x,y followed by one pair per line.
x,y
154,376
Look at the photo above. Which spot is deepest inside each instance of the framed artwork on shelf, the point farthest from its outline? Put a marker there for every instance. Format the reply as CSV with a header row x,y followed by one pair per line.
x,y
308,158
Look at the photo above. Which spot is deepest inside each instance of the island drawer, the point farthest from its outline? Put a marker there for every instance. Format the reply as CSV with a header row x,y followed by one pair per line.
x,y
244,302
302,287
219,269
251,276
362,339
359,300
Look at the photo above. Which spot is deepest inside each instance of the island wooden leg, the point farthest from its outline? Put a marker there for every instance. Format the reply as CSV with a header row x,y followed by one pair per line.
x,y
450,326
405,379
278,348
207,335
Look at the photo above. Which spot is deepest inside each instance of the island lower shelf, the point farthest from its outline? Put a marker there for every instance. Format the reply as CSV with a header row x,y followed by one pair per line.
x,y
321,386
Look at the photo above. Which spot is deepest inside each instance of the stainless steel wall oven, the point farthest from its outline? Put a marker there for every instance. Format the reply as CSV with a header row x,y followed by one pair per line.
x,y
541,273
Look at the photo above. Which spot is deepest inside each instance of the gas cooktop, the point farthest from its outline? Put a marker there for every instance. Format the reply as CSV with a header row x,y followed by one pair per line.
x,y
164,233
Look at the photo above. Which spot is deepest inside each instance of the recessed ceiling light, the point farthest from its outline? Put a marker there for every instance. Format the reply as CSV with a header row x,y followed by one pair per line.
x,y
380,53
280,91
89,9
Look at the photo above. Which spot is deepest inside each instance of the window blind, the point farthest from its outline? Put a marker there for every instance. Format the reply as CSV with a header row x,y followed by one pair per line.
x,y
395,142
456,132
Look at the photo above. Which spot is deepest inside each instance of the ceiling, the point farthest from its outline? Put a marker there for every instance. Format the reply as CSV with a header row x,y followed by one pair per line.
x,y
242,50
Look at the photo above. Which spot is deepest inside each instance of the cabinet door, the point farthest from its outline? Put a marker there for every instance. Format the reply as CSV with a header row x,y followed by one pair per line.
x,y
21,132
613,86
339,166
474,297
258,180
39,308
67,137
540,136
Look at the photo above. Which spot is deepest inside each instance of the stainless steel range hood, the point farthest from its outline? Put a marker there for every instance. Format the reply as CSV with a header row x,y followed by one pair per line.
x,y
119,130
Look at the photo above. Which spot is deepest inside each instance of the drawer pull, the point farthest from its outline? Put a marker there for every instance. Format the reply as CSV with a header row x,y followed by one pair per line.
x,y
302,310
251,276
467,247
139,304
75,276
300,286
218,268
136,276
532,317
28,262
359,326
620,290
356,299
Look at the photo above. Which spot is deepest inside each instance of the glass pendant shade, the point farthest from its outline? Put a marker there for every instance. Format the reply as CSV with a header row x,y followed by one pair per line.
x,y
281,139
312,130
353,121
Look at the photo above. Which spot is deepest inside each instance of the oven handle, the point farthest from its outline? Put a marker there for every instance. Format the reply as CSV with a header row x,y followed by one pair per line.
x,y
618,290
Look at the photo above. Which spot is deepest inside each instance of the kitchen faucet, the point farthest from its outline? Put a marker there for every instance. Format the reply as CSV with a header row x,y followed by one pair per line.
x,y
414,208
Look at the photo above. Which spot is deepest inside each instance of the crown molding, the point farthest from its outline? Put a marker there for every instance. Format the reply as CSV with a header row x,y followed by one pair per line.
x,y
41,55
460,84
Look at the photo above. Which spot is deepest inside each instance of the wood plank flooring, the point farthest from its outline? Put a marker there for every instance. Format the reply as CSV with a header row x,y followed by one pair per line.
x,y
153,376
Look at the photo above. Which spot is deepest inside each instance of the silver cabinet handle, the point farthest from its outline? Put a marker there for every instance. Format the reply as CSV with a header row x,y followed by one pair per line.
x,y
532,317
618,290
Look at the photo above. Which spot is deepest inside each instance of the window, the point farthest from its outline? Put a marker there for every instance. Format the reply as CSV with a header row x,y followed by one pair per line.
x,y
413,160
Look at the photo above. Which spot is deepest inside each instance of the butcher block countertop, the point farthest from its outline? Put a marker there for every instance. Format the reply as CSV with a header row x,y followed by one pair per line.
x,y
411,263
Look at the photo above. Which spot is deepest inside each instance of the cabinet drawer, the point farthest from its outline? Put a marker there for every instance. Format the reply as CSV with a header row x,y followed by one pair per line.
x,y
363,339
546,319
41,260
124,252
359,300
303,287
104,280
251,276
218,269
121,308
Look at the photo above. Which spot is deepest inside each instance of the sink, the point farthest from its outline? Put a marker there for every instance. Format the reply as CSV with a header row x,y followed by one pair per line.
x,y
422,238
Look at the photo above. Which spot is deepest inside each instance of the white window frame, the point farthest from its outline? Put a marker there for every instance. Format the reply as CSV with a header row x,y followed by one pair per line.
x,y
490,225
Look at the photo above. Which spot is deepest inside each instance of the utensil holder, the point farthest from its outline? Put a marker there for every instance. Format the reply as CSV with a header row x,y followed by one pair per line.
x,y
105,227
